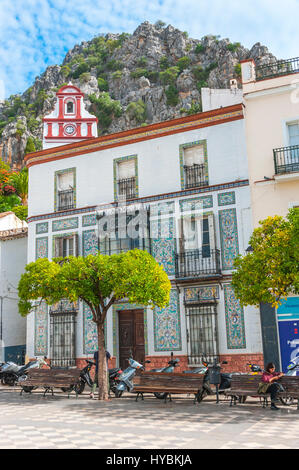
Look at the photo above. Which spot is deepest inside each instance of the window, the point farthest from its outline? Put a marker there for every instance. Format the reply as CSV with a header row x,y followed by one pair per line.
x,y
117,238
63,338
194,167
198,256
70,107
66,245
65,192
202,335
126,179
293,130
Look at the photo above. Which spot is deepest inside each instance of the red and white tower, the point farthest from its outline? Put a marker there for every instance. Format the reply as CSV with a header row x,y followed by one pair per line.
x,y
69,122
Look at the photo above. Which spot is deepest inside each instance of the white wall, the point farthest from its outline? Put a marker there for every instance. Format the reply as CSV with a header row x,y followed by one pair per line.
x,y
158,167
13,258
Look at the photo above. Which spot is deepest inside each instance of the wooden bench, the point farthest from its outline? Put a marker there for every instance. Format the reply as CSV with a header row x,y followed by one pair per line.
x,y
247,385
168,384
50,379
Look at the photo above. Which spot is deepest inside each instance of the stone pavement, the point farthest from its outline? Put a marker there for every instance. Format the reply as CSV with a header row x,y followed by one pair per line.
x,y
37,422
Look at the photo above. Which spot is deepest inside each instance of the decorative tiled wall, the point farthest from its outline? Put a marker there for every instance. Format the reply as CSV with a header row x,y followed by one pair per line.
x,y
234,317
43,227
205,293
41,330
224,199
192,144
196,204
41,247
90,335
65,224
228,237
90,242
167,325
89,219
60,172
163,236
115,163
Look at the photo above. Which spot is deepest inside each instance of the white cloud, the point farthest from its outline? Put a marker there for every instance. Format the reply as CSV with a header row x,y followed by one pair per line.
x,y
36,33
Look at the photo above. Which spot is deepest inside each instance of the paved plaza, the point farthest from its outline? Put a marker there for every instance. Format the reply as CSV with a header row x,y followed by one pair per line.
x,y
37,422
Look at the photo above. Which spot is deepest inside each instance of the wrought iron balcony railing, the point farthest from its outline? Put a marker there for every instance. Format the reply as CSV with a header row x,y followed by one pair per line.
x,y
127,188
195,176
286,159
276,69
198,263
65,200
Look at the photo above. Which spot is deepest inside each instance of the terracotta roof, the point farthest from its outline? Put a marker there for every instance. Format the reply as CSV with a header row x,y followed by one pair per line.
x,y
13,233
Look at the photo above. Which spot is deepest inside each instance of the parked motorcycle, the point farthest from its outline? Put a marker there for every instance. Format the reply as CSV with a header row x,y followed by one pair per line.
x,y
125,379
11,373
86,379
170,368
225,380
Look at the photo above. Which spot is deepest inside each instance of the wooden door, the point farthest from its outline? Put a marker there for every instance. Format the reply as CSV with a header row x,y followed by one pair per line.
x,y
131,336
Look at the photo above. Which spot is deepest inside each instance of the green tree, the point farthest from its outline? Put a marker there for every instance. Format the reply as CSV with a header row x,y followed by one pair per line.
x,y
99,281
271,270
168,76
21,212
172,95
105,108
19,181
137,110
183,63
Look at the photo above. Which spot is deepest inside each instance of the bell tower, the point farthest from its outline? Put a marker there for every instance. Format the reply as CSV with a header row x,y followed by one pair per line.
x,y
69,122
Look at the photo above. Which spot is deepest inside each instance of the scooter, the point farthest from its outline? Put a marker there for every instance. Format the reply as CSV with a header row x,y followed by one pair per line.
x,y
11,373
86,379
293,367
170,368
125,382
225,380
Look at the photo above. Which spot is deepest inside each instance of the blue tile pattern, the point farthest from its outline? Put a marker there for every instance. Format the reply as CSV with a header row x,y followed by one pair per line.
x,y
234,318
224,199
228,237
167,325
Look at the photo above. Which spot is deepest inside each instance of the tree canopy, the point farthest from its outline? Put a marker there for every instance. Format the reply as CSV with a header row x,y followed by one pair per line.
x,y
270,271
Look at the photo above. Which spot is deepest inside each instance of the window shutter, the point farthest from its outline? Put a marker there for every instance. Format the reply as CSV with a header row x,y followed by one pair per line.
x,y
76,245
65,181
126,169
194,155
212,232
58,247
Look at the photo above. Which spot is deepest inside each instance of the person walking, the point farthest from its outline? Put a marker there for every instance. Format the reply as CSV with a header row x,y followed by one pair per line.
x,y
95,383
269,384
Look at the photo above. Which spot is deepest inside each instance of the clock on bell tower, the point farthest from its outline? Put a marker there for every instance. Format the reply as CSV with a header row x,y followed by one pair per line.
x,y
69,122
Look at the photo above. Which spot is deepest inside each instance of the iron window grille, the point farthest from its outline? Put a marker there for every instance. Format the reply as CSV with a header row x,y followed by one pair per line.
x,y
127,188
195,176
198,263
65,199
286,159
277,68
202,333
63,338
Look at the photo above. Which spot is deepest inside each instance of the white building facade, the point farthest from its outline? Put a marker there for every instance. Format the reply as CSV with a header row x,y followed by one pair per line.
x,y
13,259
189,177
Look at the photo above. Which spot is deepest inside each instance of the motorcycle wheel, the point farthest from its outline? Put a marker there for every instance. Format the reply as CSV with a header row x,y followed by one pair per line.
x,y
80,387
118,393
9,381
201,395
28,389
159,395
287,401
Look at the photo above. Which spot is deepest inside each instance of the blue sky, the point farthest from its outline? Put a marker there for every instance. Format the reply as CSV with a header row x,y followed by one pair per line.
x,y
38,33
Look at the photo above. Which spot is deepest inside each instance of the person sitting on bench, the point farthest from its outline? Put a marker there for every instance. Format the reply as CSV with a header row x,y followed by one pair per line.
x,y
270,377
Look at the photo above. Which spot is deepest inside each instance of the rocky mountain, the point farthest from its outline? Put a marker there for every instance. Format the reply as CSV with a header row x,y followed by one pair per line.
x,y
153,75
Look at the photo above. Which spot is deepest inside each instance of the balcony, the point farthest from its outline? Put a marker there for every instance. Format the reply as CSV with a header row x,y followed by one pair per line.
x,y
65,200
286,160
277,69
127,189
195,176
198,264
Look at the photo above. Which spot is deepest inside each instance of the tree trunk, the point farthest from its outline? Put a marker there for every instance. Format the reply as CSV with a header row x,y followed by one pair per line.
x,y
102,371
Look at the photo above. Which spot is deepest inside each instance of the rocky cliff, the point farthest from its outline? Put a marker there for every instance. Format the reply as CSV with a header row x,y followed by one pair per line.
x,y
153,75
